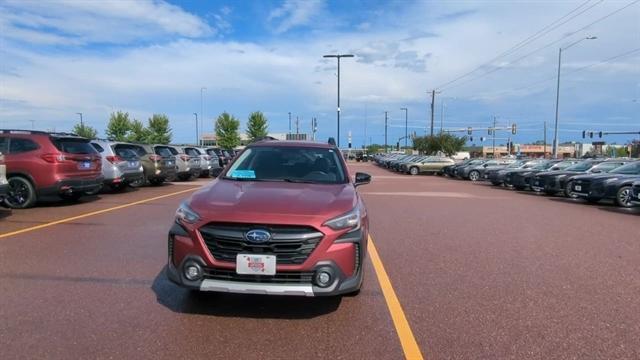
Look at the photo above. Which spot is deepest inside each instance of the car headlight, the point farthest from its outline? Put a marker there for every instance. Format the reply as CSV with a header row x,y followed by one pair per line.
x,y
186,215
350,220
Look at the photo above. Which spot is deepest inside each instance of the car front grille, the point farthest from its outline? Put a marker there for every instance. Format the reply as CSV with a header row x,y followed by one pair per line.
x,y
291,277
290,244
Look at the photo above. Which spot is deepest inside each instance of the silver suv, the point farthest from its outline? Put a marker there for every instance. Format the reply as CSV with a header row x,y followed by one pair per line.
x,y
209,163
120,166
4,185
187,166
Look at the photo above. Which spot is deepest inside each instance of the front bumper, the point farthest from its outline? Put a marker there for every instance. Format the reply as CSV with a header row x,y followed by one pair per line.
x,y
222,277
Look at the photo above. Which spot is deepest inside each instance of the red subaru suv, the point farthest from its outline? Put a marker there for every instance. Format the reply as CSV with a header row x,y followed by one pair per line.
x,y
43,164
284,218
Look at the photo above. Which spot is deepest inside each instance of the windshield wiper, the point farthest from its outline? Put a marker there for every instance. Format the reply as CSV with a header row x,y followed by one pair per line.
x,y
299,181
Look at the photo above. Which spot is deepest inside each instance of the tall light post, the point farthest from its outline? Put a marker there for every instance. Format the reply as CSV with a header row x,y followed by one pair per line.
x,y
406,125
289,122
197,138
555,130
338,56
81,122
201,111
443,105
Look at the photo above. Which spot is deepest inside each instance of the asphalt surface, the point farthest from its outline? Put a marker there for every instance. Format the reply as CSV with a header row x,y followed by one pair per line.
x,y
480,273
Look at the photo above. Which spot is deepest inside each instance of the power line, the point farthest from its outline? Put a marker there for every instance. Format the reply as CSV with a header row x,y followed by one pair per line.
x,y
522,43
547,45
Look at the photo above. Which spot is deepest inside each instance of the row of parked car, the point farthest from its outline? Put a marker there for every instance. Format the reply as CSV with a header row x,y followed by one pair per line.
x,y
591,179
38,164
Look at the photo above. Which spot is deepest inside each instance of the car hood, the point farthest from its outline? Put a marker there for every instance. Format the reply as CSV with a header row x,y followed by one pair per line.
x,y
557,173
600,177
272,202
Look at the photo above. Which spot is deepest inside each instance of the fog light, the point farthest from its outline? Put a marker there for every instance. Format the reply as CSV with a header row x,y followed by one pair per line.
x,y
158,172
192,272
323,278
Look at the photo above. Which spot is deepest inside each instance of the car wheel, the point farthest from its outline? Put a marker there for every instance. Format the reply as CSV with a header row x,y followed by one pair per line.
x,y
567,191
93,192
624,196
519,187
117,187
593,200
21,193
474,175
549,192
414,171
156,182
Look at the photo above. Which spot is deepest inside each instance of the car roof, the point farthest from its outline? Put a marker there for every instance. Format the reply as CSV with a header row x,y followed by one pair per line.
x,y
291,143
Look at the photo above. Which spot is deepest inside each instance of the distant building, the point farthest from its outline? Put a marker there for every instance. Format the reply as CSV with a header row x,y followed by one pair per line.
x,y
210,139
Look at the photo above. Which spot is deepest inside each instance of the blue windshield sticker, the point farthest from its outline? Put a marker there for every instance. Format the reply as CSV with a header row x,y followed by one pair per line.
x,y
243,174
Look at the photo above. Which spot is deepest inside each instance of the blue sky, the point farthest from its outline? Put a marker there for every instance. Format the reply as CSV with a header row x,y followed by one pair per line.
x,y
58,58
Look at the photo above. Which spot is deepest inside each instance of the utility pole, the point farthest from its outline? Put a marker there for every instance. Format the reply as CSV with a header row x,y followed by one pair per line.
x,y
201,112
493,132
314,128
544,151
555,130
289,122
197,138
81,122
385,131
406,125
433,100
297,125
338,57
33,125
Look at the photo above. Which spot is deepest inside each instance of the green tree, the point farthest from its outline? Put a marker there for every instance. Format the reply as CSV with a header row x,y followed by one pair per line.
x,y
138,132
616,151
119,126
257,126
158,129
374,148
444,142
85,131
227,131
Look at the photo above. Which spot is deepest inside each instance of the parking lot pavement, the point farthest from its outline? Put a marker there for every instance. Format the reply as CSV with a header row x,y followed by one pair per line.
x,y
94,287
489,273
479,273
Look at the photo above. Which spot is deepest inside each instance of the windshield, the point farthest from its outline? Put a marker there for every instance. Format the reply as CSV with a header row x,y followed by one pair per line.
x,y
581,166
516,164
294,164
628,169
163,151
606,167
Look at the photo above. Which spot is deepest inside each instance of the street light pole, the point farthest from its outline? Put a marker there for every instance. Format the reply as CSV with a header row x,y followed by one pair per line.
x,y
289,122
201,112
197,137
385,132
555,130
338,56
406,125
81,122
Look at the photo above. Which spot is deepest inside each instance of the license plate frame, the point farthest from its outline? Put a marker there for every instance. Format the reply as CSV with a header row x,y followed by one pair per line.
x,y
577,188
255,264
84,165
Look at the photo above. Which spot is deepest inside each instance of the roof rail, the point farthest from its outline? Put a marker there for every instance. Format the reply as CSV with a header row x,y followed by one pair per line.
x,y
39,132
266,138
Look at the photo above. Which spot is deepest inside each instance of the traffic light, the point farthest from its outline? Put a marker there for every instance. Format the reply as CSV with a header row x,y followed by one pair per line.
x,y
584,134
513,129
489,131
482,139
398,145
469,130
470,138
600,134
591,134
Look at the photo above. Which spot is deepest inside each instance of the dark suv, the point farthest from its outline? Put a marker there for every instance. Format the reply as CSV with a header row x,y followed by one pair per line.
x,y
42,163
284,218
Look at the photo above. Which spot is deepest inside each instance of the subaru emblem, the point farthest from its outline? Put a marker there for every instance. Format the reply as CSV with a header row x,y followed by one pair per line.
x,y
257,236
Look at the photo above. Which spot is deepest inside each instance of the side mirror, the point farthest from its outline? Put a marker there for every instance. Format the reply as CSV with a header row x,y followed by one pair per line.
x,y
485,165
362,179
596,171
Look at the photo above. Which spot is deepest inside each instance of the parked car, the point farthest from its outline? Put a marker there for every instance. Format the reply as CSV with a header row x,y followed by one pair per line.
x,y
553,182
519,178
121,167
426,165
214,163
187,160
157,168
43,164
462,169
496,176
635,193
4,184
223,156
475,173
284,218
395,165
614,185
449,170
207,162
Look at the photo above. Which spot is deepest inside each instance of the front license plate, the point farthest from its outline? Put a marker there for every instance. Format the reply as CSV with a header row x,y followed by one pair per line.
x,y
85,165
252,264
578,188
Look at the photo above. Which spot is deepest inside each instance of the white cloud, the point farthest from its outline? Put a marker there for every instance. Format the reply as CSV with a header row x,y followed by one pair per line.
x,y
294,13
83,22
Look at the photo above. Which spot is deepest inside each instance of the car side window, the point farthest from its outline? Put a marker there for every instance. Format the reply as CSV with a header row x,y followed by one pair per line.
x,y
98,148
17,145
4,144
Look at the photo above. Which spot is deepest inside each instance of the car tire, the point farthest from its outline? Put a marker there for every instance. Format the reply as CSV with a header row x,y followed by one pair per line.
x,y
414,170
495,183
624,196
474,175
519,187
118,187
593,200
567,191
549,192
21,194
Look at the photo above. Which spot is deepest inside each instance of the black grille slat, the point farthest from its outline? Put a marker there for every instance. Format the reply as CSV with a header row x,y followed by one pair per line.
x,y
290,244
284,277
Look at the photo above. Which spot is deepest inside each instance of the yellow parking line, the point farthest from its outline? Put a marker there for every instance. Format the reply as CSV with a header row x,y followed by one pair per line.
x,y
407,340
81,216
